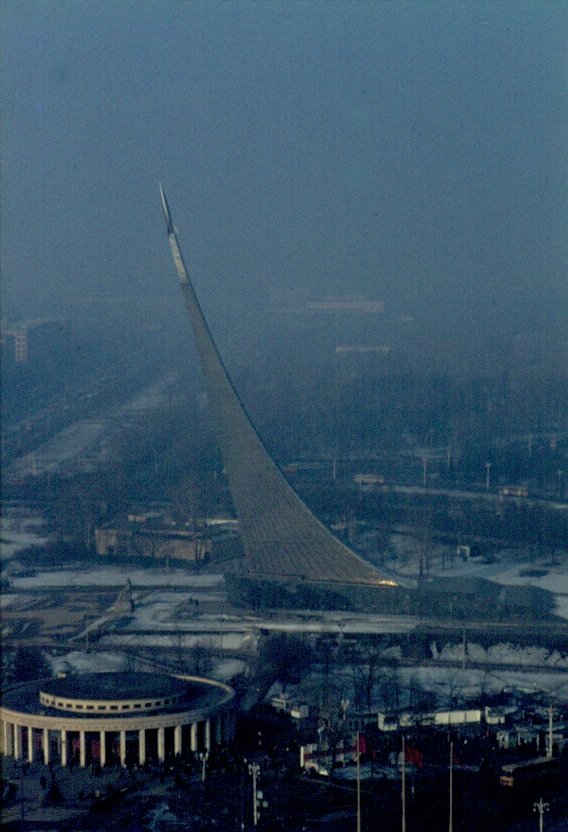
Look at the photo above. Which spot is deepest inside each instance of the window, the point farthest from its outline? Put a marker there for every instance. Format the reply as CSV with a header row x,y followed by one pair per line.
x,y
114,707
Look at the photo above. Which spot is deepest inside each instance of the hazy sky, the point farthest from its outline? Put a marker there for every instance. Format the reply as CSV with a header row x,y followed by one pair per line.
x,y
415,151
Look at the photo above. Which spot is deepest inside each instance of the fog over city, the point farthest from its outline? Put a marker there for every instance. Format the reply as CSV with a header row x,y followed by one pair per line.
x,y
408,152
367,608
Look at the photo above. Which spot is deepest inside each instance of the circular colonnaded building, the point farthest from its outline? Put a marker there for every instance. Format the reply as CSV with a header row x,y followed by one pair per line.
x,y
115,718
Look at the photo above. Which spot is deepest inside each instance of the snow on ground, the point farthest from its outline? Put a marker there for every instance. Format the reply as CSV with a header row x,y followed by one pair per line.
x,y
75,444
561,606
104,576
227,668
21,603
509,567
19,532
6,601
60,449
164,618
160,622
79,661
238,642
450,685
502,654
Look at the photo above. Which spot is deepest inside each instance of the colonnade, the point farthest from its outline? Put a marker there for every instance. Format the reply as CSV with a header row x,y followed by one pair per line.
x,y
30,742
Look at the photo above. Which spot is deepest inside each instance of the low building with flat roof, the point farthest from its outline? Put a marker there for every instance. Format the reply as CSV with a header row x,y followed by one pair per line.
x,y
115,718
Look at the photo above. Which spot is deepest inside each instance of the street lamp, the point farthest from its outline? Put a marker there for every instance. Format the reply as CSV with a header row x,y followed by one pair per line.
x,y
487,470
204,756
451,801
541,808
424,469
257,796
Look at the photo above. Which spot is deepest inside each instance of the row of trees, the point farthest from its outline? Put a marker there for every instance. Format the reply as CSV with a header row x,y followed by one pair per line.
x,y
363,676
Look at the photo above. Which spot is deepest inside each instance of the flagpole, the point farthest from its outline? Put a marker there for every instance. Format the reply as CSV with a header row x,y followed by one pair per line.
x,y
403,786
451,818
358,784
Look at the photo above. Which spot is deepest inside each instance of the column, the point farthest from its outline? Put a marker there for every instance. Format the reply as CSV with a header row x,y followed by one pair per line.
x,y
82,750
63,741
177,739
17,742
142,746
208,735
8,739
123,748
161,745
30,744
193,737
45,745
103,751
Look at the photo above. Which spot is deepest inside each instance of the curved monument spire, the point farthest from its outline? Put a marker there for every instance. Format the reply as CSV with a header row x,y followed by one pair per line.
x,y
280,535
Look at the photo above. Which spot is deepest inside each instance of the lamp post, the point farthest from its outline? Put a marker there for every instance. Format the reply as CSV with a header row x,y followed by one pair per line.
x,y
541,808
424,469
204,756
550,734
254,769
487,475
403,786
451,802
358,752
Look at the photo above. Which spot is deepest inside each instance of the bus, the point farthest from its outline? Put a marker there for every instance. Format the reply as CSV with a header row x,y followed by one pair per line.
x,y
514,491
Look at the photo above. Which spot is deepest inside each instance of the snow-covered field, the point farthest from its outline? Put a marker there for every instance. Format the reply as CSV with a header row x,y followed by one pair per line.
x,y
78,661
110,576
450,685
167,616
504,653
449,682
509,567
18,532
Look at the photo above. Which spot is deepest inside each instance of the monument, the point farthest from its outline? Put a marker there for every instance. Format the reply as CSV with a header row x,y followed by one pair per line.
x,y
290,558
283,541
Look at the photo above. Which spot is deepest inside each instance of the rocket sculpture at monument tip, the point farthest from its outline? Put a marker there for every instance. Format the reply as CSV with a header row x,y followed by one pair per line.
x,y
167,212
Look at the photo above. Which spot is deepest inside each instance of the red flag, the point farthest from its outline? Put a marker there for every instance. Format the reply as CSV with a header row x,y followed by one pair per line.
x,y
362,749
414,756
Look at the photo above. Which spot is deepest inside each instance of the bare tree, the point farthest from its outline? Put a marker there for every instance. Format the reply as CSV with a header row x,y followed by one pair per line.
x,y
365,678
389,687
189,508
200,658
454,682
285,657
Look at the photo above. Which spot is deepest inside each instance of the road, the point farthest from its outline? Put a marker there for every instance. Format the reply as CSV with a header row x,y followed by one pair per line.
x,y
85,445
